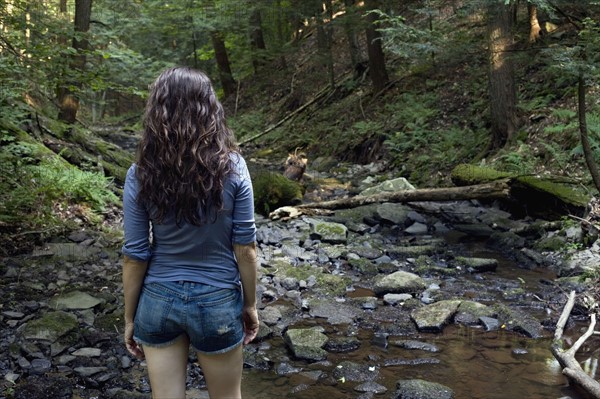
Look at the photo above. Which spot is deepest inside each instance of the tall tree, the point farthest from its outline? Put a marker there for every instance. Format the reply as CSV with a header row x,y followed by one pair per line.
x,y
377,69
257,40
225,75
68,100
501,79
350,21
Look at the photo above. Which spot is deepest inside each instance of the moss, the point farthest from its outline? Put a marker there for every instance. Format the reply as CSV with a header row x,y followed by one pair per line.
x,y
561,191
329,284
465,174
273,190
364,266
553,243
108,322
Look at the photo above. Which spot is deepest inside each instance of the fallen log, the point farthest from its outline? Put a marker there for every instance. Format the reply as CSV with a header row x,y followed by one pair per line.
x,y
495,190
499,189
566,358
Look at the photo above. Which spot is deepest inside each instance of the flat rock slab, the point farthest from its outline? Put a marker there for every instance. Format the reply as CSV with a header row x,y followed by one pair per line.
x,y
307,343
51,326
75,300
399,282
435,316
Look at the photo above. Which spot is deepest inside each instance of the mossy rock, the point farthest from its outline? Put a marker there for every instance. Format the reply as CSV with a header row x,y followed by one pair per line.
x,y
273,190
465,175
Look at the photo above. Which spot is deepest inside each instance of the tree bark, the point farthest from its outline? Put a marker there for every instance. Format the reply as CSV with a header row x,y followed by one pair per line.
x,y
225,75
257,40
566,358
350,21
68,100
583,132
324,46
534,24
377,69
501,83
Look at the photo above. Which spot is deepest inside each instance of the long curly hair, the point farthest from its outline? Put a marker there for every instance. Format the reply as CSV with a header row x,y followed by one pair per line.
x,y
184,154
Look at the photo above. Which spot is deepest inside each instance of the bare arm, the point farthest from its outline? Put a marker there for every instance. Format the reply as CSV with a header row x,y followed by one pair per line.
x,y
133,279
248,265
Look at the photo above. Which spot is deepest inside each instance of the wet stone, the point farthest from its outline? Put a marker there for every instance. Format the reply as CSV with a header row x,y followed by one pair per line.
x,y
87,352
89,371
411,344
420,389
370,386
13,315
286,369
40,366
355,372
489,323
342,344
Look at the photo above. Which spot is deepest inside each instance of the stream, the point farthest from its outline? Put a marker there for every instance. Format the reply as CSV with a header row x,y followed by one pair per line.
x,y
62,311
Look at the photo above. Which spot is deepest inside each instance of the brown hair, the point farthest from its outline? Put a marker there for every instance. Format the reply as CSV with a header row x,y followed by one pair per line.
x,y
184,154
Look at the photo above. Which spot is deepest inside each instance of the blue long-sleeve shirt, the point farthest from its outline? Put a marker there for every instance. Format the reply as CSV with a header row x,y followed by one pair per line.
x,y
187,252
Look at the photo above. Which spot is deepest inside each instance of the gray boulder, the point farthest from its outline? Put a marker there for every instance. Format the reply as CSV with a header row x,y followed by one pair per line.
x,y
399,282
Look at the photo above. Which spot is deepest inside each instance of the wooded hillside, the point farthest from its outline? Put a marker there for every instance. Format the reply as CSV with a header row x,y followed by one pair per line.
x,y
418,85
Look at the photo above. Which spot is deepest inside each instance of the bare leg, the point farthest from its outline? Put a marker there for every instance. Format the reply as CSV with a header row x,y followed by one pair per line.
x,y
167,369
223,373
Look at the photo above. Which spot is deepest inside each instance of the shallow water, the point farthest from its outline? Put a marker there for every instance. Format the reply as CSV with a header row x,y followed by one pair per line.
x,y
472,362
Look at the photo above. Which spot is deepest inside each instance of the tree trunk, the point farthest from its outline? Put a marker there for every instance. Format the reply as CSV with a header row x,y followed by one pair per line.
x,y
350,21
534,24
377,70
583,132
257,40
501,84
227,81
68,101
324,46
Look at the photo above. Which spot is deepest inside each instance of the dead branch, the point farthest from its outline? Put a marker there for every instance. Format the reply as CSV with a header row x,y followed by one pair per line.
x,y
566,358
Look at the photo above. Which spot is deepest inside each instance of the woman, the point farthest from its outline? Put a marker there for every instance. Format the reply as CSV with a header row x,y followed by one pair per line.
x,y
195,281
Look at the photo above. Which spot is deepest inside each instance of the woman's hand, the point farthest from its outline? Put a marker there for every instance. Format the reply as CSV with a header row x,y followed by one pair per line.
x,y
251,324
130,344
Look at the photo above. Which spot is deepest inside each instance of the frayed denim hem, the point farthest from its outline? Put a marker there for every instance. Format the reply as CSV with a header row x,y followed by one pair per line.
x,y
161,345
221,351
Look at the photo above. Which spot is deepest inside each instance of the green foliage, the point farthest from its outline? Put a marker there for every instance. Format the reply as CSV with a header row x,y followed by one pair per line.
x,y
247,124
421,145
519,159
34,188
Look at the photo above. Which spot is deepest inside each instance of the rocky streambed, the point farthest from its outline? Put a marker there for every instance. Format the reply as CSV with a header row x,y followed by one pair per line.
x,y
435,300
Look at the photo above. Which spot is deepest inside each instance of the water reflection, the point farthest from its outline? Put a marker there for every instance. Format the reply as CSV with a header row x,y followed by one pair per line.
x,y
474,363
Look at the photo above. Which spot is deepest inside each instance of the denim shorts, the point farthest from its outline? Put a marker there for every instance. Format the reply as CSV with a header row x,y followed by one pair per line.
x,y
210,316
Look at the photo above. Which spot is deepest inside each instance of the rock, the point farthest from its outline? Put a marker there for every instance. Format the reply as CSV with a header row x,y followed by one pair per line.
x,y
410,362
270,315
477,265
519,321
75,300
370,386
394,299
40,366
71,250
417,228
286,369
489,323
342,344
328,232
421,389
306,343
51,326
435,316
13,315
411,344
411,251
335,313
393,213
355,372
470,312
87,352
89,371
389,186
399,282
